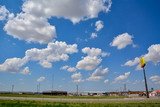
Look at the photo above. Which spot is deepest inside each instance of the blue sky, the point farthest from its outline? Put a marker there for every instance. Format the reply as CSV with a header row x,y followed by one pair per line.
x,y
105,39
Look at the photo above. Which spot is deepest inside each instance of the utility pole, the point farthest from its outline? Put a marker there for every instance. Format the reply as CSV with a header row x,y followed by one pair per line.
x,y
52,81
77,89
39,87
145,80
125,88
12,88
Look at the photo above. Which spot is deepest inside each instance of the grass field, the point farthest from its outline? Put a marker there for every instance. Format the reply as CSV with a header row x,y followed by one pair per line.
x,y
15,103
49,96
116,102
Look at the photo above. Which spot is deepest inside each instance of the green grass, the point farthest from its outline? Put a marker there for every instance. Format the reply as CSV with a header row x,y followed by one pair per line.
x,y
15,103
27,103
49,96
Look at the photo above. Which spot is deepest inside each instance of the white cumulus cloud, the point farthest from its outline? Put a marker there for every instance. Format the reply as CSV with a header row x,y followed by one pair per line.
x,y
132,62
98,74
77,77
122,77
92,51
5,14
153,55
88,63
92,60
155,79
94,35
41,79
54,52
13,65
71,69
99,25
32,22
64,67
68,68
106,81
73,10
26,71
30,28
122,40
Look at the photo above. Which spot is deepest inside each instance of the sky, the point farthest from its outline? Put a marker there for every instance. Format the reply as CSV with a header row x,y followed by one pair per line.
x,y
93,43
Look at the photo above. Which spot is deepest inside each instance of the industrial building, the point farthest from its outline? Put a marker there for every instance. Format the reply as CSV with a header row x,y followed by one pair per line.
x,y
63,93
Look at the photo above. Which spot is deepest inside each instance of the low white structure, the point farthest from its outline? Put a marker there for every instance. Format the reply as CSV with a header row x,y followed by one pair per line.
x,y
155,93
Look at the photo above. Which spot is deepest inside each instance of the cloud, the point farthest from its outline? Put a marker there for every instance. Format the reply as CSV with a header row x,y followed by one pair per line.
x,y
55,51
137,82
92,60
99,25
46,64
77,77
26,71
122,40
94,35
122,77
155,79
106,81
98,74
93,52
132,62
68,68
32,22
64,67
13,65
88,63
5,14
71,69
73,10
41,79
153,55
30,28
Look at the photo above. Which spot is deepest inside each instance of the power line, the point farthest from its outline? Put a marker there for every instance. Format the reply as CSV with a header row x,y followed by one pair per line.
x,y
52,81
39,87
125,88
12,88
77,89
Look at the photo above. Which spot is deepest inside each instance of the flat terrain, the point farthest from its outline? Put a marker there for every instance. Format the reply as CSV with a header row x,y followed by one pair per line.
x,y
68,97
80,100
35,102
15,100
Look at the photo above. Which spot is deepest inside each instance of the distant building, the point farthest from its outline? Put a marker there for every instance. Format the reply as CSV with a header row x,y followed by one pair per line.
x,y
93,93
63,93
128,93
113,93
155,93
136,93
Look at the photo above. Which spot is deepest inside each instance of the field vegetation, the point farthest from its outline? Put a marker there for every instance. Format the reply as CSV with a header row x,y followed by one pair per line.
x,y
49,96
16,103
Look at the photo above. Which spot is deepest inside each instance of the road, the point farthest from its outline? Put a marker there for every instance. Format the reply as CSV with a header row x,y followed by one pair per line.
x,y
80,100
